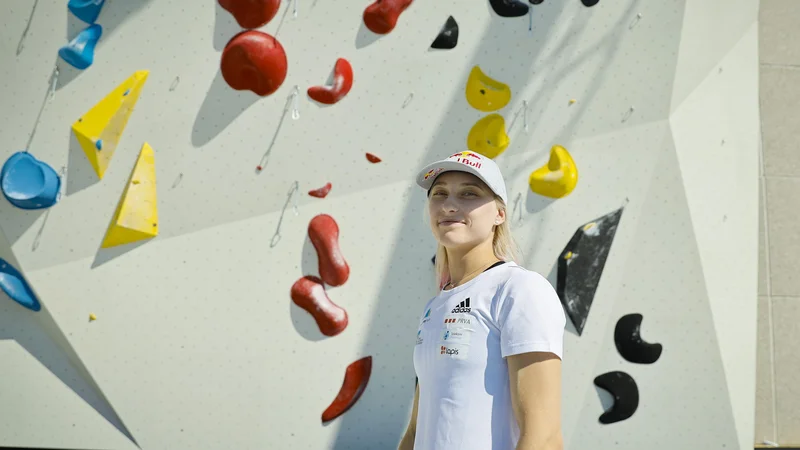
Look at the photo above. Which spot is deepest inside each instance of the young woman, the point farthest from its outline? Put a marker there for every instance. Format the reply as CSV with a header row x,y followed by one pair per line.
x,y
489,344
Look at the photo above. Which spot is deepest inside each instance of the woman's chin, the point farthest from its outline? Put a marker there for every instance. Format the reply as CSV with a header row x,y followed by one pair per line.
x,y
452,240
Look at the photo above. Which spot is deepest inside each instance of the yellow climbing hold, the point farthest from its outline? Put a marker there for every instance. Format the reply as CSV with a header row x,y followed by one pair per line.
x,y
136,216
485,93
558,177
92,317
488,136
568,255
100,129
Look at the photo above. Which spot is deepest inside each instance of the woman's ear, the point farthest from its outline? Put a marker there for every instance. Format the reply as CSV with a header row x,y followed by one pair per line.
x,y
501,217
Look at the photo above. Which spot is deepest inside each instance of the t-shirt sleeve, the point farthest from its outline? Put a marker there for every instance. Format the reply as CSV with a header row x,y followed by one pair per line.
x,y
530,316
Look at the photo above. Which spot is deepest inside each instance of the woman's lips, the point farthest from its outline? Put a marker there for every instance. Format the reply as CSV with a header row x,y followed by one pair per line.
x,y
449,222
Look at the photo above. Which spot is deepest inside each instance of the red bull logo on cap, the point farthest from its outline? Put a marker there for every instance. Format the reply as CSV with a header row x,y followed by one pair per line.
x,y
468,158
432,173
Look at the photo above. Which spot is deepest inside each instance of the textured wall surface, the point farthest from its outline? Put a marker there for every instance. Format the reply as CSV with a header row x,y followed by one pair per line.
x,y
778,395
195,341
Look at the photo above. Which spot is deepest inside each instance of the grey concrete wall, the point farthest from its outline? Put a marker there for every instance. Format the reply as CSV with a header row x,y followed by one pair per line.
x,y
778,373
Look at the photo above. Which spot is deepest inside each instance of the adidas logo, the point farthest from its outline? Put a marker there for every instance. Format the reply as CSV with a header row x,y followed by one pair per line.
x,y
462,307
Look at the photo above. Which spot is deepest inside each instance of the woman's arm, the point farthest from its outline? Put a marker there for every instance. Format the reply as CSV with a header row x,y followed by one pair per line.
x,y
535,382
407,443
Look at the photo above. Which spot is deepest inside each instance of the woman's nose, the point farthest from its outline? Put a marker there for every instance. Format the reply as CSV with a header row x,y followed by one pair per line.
x,y
449,204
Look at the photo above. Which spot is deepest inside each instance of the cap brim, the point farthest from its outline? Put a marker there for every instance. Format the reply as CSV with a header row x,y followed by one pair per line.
x,y
445,166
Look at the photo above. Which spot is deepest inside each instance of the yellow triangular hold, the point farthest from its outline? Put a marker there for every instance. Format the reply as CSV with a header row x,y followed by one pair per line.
x,y
136,216
100,129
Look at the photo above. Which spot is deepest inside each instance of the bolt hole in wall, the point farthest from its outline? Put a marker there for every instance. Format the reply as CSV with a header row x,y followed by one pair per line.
x,y
258,62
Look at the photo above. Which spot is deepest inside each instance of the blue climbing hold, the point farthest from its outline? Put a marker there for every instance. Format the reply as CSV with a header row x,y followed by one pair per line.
x,y
14,285
86,10
79,53
28,183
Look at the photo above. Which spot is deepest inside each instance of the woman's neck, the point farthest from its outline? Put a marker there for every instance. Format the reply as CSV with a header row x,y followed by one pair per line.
x,y
465,266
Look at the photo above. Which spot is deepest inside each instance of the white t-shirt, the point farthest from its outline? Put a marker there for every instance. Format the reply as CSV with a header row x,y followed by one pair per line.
x,y
463,337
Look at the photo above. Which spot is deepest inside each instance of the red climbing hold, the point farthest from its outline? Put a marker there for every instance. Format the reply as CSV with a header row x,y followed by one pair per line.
x,y
308,292
251,14
372,158
342,82
382,15
324,235
321,192
356,378
254,61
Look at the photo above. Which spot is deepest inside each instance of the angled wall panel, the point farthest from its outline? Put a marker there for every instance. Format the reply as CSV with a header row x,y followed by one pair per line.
x,y
719,163
719,25
683,396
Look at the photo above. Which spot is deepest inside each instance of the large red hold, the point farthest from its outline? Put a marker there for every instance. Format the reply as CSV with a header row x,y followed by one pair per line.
x,y
382,15
309,293
255,61
356,378
251,14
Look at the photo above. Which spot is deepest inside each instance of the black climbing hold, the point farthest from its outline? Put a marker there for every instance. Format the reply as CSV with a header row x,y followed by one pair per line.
x,y
581,264
623,388
509,8
629,342
536,2
448,36
588,3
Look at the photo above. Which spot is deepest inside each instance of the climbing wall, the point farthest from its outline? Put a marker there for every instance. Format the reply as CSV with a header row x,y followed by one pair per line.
x,y
185,184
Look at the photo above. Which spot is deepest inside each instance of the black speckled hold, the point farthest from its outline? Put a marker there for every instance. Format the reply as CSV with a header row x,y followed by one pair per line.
x,y
536,2
448,36
581,264
623,388
629,342
589,3
509,8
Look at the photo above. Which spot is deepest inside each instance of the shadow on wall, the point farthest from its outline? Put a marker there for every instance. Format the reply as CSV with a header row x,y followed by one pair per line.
x,y
381,415
215,114
112,15
604,49
40,336
17,221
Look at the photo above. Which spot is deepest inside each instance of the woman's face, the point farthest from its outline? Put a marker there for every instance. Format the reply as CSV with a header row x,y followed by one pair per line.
x,y
462,209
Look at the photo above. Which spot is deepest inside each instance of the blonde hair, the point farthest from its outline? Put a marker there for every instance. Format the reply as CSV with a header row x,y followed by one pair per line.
x,y
503,244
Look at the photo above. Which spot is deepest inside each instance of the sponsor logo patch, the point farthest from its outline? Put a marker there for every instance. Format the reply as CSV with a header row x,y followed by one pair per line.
x,y
462,307
456,335
427,316
458,319
453,351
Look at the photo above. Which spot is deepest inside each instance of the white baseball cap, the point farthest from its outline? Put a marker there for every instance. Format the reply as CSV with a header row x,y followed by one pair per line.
x,y
475,163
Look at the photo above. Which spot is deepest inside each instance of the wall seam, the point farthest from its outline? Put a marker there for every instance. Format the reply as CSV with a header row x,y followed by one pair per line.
x,y
768,279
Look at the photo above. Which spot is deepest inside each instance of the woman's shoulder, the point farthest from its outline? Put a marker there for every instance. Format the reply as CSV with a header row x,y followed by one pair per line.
x,y
516,273
520,278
